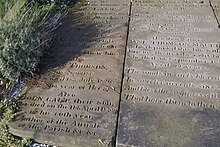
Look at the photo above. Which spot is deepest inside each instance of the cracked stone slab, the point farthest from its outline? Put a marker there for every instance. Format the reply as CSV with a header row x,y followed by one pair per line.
x,y
216,7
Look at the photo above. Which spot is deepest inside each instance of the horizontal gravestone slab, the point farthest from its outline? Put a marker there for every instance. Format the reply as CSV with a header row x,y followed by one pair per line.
x,y
75,100
171,91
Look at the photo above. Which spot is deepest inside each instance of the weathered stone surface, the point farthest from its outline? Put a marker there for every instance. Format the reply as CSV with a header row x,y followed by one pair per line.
x,y
75,101
170,92
171,86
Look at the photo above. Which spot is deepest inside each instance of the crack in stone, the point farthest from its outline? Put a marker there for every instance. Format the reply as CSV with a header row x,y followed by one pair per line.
x,y
216,17
123,72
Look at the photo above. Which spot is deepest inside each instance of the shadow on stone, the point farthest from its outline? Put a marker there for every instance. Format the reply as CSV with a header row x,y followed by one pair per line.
x,y
71,39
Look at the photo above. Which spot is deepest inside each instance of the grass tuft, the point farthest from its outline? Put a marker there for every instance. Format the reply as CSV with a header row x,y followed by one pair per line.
x,y
23,39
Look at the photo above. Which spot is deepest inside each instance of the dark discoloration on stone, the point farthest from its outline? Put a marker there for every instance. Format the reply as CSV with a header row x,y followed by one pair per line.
x,y
161,126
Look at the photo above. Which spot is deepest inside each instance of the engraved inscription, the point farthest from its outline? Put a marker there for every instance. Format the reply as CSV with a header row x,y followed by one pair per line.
x,y
74,102
171,76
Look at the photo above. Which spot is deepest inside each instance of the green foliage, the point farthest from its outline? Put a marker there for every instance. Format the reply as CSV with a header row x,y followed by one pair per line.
x,y
54,1
7,109
5,5
22,42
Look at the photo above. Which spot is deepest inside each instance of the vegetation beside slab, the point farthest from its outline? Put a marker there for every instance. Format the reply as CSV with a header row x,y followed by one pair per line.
x,y
23,37
7,109
26,31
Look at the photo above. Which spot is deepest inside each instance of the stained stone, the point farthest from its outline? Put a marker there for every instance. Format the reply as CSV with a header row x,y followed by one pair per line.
x,y
171,85
75,100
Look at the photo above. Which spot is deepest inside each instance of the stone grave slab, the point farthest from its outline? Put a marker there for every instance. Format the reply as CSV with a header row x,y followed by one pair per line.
x,y
75,100
171,90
